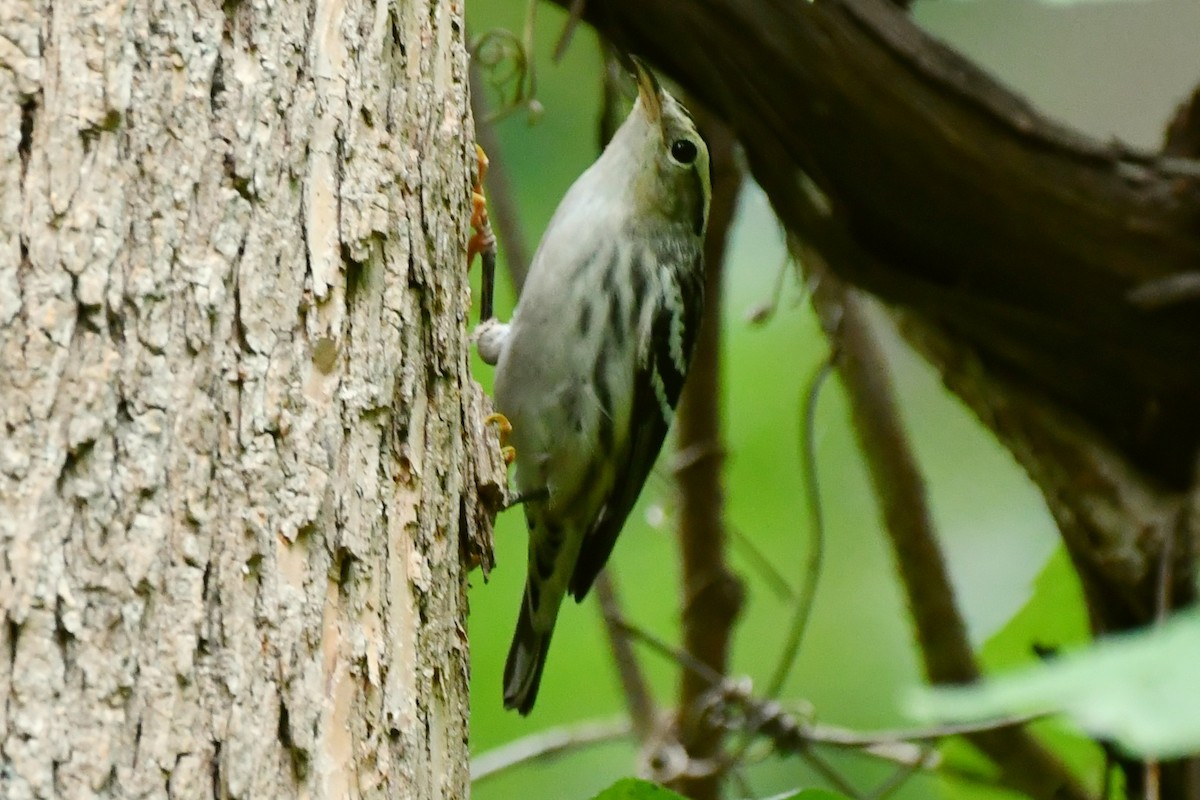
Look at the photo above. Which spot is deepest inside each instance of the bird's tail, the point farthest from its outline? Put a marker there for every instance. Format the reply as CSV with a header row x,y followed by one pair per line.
x,y
526,659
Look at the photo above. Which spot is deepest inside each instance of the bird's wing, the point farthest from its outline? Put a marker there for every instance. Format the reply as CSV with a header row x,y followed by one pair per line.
x,y
662,365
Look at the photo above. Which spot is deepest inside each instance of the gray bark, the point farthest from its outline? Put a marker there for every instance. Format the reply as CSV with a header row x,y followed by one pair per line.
x,y
241,448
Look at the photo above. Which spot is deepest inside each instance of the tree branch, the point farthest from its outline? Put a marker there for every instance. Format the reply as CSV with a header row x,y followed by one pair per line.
x,y
1025,765
712,595
546,744
1183,134
1020,237
639,702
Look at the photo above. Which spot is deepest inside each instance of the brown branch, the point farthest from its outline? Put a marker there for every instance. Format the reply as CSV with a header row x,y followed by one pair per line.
x,y
1025,765
546,744
1022,238
712,595
895,477
1183,134
639,702
733,705
1113,521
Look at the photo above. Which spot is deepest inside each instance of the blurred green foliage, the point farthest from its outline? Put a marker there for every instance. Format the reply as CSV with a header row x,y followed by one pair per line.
x,y
1136,689
859,659
634,789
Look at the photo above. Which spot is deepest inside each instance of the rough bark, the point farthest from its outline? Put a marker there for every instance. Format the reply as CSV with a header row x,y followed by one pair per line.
x,y
240,445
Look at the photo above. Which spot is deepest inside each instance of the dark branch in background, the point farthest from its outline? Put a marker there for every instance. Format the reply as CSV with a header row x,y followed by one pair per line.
x,y
898,484
1019,237
1183,134
712,594
1023,238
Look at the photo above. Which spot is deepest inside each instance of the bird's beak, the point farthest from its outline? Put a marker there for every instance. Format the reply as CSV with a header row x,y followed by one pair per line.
x,y
648,90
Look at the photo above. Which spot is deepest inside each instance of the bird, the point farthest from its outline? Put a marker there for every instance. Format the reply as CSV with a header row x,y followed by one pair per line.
x,y
590,367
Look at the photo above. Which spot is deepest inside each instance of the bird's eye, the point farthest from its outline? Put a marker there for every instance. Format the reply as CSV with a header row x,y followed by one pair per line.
x,y
683,151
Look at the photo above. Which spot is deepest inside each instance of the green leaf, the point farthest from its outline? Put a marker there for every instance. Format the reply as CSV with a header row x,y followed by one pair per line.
x,y
1054,618
635,789
1138,689
811,794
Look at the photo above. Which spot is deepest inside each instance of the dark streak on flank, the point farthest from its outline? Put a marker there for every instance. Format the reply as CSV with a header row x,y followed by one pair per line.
x,y
572,407
535,596
545,556
604,425
616,318
609,281
638,278
584,323
669,371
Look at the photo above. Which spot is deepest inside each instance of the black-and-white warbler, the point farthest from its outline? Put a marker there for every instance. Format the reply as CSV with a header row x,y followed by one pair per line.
x,y
592,364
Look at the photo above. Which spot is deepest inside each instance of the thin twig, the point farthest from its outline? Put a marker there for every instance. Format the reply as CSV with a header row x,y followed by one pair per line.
x,y
897,779
639,701
738,691
846,737
759,561
816,535
760,314
547,744
498,47
574,14
826,771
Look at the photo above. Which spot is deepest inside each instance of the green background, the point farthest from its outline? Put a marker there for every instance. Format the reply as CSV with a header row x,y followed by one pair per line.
x,y
1110,68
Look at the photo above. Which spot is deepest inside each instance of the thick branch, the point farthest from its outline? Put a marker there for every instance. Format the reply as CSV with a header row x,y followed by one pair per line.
x,y
1183,134
1018,236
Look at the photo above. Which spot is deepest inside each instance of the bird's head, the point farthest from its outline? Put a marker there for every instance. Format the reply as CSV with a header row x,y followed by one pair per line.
x,y
671,180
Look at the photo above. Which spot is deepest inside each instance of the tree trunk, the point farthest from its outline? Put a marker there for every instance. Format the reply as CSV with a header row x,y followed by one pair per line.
x,y
240,444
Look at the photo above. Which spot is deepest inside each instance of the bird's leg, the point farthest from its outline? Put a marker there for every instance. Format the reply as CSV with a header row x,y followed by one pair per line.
x,y
490,334
527,497
504,428
483,241
508,452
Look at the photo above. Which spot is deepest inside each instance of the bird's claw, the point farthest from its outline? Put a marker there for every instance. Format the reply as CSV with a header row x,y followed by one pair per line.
x,y
482,240
502,424
503,428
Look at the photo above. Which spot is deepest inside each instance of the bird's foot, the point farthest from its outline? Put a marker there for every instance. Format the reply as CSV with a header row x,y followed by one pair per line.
x,y
504,428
